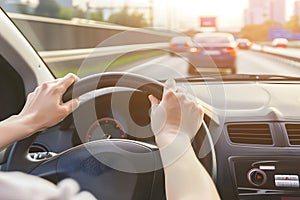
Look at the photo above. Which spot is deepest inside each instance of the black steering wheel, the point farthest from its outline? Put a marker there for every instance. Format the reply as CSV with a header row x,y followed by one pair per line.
x,y
95,164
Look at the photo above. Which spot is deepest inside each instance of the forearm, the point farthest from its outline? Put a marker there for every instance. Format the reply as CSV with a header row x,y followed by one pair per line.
x,y
186,178
174,120
15,128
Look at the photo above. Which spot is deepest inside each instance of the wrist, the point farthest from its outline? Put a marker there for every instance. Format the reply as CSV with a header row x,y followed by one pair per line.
x,y
175,137
28,122
173,148
16,128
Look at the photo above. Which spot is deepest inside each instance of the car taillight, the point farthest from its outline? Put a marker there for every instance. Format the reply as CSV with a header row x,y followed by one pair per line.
x,y
231,50
194,50
173,45
186,45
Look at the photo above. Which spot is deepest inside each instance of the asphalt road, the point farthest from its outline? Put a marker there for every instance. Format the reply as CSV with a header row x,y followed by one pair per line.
x,y
165,67
292,52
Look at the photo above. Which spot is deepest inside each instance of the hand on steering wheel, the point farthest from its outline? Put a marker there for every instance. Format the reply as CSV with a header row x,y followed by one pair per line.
x,y
46,100
174,116
44,108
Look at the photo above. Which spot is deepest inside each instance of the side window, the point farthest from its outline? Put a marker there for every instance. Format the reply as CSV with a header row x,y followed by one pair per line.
x,y
12,92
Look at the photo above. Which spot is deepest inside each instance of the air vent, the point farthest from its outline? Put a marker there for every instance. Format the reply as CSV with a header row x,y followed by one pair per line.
x,y
250,134
293,131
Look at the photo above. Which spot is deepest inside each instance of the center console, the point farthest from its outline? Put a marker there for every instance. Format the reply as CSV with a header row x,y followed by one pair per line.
x,y
275,178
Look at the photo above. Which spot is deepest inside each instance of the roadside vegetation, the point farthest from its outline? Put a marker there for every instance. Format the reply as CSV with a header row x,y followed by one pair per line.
x,y
50,8
259,32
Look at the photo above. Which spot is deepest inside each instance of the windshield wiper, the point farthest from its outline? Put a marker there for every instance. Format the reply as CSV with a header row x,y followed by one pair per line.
x,y
239,77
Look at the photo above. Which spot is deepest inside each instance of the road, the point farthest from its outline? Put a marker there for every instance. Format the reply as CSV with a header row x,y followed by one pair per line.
x,y
247,62
291,52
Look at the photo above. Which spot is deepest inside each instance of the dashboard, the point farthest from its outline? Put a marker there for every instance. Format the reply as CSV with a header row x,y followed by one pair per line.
x,y
118,115
255,128
256,138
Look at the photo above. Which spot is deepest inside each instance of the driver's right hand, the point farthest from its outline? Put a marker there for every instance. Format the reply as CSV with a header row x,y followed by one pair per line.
x,y
175,115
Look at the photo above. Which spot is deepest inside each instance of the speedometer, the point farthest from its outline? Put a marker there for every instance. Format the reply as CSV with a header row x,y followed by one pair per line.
x,y
105,128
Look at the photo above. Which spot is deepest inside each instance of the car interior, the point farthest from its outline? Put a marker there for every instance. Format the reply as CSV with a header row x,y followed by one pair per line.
x,y
12,90
249,140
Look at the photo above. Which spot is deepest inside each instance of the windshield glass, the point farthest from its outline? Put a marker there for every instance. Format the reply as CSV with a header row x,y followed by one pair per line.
x,y
160,38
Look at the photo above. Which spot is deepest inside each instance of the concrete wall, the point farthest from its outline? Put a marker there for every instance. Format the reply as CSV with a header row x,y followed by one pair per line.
x,y
48,34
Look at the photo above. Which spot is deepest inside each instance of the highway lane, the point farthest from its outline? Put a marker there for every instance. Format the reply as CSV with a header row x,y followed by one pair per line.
x,y
260,63
291,52
163,68
247,62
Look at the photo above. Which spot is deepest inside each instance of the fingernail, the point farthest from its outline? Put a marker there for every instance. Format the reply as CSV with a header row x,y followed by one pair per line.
x,y
150,99
170,84
71,75
170,81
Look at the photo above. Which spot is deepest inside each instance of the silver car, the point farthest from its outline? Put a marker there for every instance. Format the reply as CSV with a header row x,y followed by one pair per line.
x,y
179,44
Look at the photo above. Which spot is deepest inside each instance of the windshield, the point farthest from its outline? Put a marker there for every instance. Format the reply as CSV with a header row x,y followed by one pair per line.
x,y
163,38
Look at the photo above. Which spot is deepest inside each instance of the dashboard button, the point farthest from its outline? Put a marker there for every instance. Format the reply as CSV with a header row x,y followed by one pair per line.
x,y
256,177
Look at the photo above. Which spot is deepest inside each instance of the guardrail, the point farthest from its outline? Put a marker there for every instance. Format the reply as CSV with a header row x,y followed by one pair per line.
x,y
287,53
94,59
81,54
291,44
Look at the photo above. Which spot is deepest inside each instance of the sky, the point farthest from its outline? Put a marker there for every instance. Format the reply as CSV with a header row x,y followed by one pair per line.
x,y
183,14
229,12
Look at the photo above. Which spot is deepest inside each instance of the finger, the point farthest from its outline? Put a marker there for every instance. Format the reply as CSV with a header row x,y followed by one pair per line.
x,y
200,110
54,81
182,98
185,91
71,105
182,90
154,102
171,85
169,89
68,188
67,81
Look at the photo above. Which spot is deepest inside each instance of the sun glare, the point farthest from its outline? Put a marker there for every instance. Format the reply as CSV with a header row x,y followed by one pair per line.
x,y
228,13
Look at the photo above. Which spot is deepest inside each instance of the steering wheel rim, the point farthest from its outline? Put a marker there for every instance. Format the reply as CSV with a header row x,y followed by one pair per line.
x,y
112,79
19,160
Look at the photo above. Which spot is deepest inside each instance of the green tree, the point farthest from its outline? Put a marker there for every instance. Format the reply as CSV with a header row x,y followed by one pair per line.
x,y
48,8
66,13
79,13
137,19
258,32
98,15
125,18
293,24
22,8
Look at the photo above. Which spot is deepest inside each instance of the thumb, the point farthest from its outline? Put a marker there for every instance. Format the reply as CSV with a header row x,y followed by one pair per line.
x,y
71,105
154,102
170,84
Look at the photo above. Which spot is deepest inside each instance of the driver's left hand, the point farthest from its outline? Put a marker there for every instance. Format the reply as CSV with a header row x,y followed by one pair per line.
x,y
44,106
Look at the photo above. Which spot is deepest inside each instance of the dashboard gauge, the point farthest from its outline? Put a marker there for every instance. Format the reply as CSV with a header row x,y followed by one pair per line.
x,y
105,128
